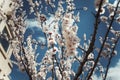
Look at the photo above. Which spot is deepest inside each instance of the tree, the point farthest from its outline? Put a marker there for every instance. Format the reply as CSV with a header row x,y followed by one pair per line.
x,y
62,42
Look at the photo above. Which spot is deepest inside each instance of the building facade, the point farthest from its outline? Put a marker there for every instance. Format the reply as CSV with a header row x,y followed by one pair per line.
x,y
6,7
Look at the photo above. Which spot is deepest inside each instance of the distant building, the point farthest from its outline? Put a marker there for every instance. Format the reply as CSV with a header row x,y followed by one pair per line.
x,y
6,7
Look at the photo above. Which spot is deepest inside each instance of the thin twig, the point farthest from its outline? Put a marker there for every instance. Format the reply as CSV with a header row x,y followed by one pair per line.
x,y
26,68
110,59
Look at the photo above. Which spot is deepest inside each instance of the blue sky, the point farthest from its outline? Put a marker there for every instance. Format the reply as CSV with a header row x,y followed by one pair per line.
x,y
85,26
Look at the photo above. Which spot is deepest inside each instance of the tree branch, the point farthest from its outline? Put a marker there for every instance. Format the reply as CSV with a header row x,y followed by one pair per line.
x,y
96,61
90,49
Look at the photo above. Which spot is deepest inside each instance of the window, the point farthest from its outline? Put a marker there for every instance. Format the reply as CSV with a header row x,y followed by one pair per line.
x,y
9,65
3,54
3,41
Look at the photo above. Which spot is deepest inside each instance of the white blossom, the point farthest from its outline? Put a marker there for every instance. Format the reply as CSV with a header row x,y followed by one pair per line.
x,y
118,19
103,18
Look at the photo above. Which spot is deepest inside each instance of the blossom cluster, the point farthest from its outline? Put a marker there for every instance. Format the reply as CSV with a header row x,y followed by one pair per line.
x,y
70,35
106,5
